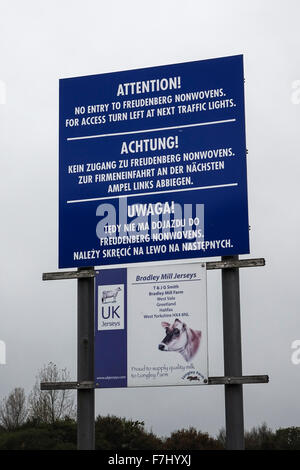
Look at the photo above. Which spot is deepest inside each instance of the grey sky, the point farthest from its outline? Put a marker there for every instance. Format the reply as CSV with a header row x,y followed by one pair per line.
x,y
41,42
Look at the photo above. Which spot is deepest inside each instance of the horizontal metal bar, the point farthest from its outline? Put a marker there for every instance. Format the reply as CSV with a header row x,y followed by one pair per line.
x,y
245,379
241,263
66,385
68,275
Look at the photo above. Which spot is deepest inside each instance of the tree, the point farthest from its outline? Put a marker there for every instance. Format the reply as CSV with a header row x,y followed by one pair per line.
x,y
40,436
260,438
222,437
113,433
13,410
50,406
288,438
191,439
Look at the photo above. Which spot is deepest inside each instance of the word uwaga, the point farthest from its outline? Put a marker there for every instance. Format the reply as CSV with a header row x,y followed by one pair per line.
x,y
150,209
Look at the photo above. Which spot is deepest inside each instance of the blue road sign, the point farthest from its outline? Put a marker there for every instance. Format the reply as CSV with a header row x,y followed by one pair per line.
x,y
153,164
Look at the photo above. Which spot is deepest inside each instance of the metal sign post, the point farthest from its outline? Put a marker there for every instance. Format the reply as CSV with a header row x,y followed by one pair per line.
x,y
233,379
85,372
234,412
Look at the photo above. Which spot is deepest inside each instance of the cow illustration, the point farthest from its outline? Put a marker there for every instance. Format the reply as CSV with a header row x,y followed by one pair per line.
x,y
179,337
110,294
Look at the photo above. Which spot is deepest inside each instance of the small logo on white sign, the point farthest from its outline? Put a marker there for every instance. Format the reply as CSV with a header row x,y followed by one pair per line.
x,y
111,307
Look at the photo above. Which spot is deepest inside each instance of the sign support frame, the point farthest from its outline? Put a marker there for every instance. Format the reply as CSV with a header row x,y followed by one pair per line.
x,y
245,379
224,264
85,363
234,408
233,379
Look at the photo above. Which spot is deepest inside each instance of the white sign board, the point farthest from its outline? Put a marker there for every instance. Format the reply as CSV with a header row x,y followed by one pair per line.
x,y
151,326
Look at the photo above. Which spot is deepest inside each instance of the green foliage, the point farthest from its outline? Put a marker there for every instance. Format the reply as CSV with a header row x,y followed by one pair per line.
x,y
288,438
113,433
260,438
191,439
263,438
59,435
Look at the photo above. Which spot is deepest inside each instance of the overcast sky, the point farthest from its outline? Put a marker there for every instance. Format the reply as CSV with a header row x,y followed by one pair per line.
x,y
41,42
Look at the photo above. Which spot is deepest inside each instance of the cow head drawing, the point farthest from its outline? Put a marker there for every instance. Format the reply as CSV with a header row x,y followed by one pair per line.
x,y
179,337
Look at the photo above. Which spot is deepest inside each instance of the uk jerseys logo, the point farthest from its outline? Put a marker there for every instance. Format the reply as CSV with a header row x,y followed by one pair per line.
x,y
111,307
